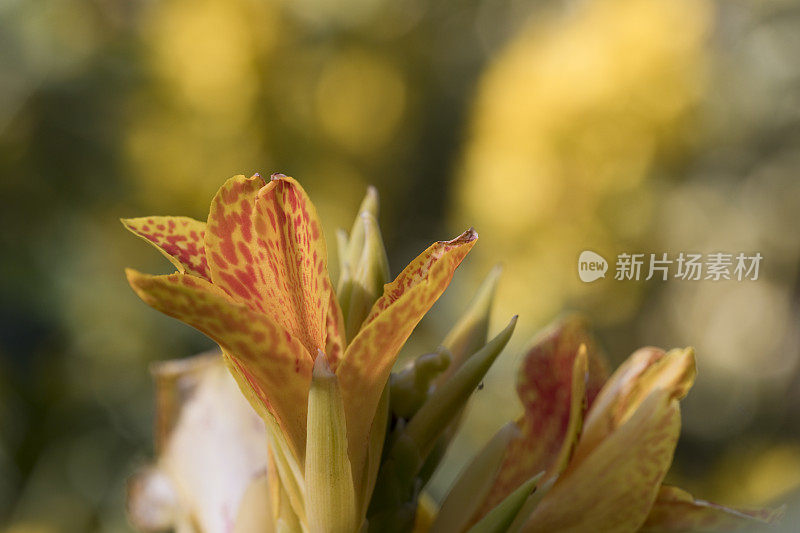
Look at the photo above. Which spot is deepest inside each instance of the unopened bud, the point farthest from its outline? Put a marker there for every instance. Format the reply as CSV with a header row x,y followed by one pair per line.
x,y
369,276
412,385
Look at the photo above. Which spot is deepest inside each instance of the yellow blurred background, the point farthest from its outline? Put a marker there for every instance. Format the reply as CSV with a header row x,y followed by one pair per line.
x,y
617,126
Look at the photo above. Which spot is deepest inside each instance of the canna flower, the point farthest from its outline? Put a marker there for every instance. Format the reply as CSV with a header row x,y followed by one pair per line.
x,y
303,449
595,448
254,278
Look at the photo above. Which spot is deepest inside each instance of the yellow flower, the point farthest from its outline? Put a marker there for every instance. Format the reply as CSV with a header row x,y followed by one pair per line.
x,y
254,278
603,444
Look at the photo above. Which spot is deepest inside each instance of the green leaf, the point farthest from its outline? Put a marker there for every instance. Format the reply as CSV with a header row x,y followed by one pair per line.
x,y
470,333
448,400
500,518
473,483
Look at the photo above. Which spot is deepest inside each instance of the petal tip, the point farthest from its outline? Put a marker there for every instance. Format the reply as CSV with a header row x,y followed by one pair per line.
x,y
465,238
277,176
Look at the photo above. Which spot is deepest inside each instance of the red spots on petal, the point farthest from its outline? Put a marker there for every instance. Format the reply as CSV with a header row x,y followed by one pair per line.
x,y
248,279
219,261
229,252
233,284
245,251
172,236
314,230
230,195
245,212
260,226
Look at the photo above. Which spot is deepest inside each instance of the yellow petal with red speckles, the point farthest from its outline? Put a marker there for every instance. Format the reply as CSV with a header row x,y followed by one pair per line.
x,y
334,332
265,247
615,486
275,366
677,510
180,239
544,385
370,355
646,370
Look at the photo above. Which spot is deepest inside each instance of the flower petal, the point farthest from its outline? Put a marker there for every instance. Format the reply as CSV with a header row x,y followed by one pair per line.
x,y
369,358
334,332
180,239
677,510
272,364
253,513
206,414
544,385
265,247
615,486
646,370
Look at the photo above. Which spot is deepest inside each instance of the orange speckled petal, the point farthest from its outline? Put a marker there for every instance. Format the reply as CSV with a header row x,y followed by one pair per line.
x,y
334,333
544,385
180,239
677,510
370,355
274,365
265,247
613,489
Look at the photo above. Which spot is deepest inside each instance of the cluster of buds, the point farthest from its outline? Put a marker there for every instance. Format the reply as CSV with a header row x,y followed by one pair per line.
x,y
299,424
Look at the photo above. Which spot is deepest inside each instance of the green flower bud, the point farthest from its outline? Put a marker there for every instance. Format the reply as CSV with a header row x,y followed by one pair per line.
x,y
412,385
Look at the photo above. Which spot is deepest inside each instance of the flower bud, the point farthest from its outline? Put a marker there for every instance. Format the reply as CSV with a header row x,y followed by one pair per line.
x,y
371,273
363,265
412,385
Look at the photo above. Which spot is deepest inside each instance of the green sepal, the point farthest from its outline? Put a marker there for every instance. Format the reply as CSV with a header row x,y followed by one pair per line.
x,y
500,518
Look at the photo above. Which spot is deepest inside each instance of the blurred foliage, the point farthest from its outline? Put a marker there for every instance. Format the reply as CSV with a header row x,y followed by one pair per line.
x,y
552,127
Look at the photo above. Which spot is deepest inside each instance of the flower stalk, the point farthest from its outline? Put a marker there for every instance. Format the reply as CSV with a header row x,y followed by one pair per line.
x,y
330,494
